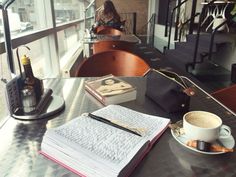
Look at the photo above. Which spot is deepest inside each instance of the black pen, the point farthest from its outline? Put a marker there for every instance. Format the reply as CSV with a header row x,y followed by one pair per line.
x,y
106,121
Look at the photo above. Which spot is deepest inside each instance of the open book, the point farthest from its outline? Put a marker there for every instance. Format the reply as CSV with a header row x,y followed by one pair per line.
x,y
92,148
111,90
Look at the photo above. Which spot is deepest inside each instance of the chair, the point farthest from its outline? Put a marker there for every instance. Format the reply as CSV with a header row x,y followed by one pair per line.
x,y
102,46
227,96
106,30
116,62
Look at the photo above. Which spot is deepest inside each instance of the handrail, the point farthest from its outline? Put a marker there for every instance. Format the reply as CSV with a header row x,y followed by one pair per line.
x,y
214,32
130,19
177,21
167,17
199,28
152,29
182,25
135,21
193,12
171,19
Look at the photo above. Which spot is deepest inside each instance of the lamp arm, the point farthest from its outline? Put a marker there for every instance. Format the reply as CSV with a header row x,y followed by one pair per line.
x,y
8,46
6,4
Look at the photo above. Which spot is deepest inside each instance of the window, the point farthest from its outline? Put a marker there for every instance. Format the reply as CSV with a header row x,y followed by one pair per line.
x,y
66,11
50,30
26,16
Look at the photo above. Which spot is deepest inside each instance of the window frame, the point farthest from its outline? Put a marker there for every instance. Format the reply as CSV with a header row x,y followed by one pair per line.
x,y
50,32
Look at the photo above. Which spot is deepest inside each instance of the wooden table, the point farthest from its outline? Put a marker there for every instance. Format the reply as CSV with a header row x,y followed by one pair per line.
x,y
88,41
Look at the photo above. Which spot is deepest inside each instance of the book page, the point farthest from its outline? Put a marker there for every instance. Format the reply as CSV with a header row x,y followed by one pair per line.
x,y
107,142
147,125
104,146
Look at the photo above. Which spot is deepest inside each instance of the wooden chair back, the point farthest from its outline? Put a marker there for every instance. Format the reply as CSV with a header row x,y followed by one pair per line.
x,y
116,62
102,46
227,97
99,28
106,30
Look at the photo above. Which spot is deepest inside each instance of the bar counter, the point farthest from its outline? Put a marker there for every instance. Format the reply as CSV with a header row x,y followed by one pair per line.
x,y
20,140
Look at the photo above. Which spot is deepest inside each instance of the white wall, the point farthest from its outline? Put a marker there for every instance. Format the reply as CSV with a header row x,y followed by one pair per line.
x,y
160,40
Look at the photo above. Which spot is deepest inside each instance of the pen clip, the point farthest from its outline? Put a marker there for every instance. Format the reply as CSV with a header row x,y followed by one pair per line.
x,y
98,118
101,119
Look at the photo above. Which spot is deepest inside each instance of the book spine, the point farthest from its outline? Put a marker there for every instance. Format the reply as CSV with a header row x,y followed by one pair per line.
x,y
95,94
62,164
158,135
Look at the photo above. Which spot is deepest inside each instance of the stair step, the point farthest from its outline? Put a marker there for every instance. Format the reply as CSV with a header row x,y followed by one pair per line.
x,y
184,51
178,59
219,38
185,56
190,47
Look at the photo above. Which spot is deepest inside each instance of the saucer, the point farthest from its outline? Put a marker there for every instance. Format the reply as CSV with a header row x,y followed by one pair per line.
x,y
227,142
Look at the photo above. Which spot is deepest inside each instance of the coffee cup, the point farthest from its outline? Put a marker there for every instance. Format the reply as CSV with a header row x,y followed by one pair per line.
x,y
204,126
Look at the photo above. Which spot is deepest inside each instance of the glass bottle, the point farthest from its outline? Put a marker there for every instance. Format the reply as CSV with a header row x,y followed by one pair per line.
x,y
29,81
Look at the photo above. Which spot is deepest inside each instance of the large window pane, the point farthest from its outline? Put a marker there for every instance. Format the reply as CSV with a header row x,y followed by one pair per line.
x,y
26,16
68,10
67,39
31,20
40,61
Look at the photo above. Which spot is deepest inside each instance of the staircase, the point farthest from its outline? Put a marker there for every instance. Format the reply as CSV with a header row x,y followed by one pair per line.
x,y
182,56
199,47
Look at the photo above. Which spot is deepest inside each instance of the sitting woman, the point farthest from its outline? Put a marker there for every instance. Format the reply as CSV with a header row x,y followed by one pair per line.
x,y
108,16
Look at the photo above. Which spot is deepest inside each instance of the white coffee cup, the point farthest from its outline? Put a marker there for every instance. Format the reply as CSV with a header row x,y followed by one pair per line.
x,y
204,126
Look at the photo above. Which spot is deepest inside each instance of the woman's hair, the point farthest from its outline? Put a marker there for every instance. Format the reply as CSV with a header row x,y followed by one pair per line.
x,y
109,8
104,82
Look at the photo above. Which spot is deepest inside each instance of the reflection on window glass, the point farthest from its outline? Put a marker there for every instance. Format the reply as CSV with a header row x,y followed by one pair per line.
x,y
38,58
1,26
25,16
90,12
66,39
68,10
68,43
3,75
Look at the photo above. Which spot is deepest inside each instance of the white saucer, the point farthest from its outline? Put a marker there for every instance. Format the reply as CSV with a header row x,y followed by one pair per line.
x,y
228,143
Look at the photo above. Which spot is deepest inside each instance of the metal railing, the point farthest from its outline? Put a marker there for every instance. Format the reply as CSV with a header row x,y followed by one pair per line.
x,y
199,29
167,18
185,23
152,30
149,28
171,20
214,32
130,22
